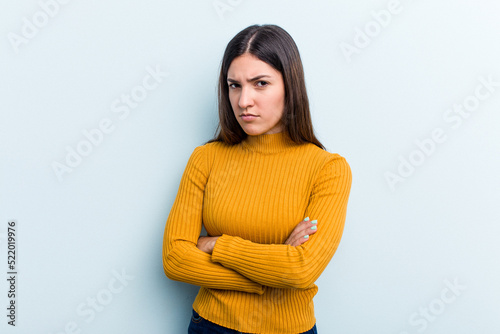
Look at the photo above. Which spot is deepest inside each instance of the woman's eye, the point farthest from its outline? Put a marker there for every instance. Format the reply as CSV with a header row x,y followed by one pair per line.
x,y
233,85
261,83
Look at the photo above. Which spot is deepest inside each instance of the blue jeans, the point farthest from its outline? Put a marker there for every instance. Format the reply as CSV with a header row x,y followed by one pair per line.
x,y
199,325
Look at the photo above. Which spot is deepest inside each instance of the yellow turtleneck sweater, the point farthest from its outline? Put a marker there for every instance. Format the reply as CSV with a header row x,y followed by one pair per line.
x,y
253,195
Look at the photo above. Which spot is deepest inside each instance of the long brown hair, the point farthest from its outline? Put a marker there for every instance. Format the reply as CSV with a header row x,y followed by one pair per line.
x,y
274,46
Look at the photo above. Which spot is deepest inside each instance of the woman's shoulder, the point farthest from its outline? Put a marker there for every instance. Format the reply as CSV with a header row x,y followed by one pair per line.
x,y
325,164
330,175
210,148
206,153
320,154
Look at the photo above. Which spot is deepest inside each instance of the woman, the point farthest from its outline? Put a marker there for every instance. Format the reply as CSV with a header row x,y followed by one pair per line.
x,y
272,200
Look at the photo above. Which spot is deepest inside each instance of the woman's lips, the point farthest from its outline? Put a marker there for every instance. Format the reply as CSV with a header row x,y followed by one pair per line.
x,y
248,117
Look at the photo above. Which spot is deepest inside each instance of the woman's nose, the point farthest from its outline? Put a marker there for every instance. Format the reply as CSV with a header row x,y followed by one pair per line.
x,y
246,99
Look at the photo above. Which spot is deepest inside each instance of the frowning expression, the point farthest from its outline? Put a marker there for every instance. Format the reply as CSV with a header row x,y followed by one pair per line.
x,y
257,95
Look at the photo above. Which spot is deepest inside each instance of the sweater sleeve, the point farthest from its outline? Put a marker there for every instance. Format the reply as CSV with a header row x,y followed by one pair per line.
x,y
182,260
285,266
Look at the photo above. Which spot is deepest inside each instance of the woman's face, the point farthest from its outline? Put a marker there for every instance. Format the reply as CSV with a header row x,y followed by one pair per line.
x,y
257,95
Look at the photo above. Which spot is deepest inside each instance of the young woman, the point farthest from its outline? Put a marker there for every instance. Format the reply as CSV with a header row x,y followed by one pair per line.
x,y
273,201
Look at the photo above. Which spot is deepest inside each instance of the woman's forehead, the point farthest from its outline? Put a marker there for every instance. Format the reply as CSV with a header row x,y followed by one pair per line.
x,y
248,66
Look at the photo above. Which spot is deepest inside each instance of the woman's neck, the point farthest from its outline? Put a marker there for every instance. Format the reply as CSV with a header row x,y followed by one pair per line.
x,y
268,143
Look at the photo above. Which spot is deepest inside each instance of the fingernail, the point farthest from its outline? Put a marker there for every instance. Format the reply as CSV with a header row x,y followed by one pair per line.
x,y
306,236
314,221
306,219
314,228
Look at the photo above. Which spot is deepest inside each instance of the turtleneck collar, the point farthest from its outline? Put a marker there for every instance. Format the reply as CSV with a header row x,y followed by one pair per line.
x,y
268,144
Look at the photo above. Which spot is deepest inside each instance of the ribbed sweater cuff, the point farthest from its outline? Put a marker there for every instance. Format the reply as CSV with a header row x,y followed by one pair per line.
x,y
224,251
221,252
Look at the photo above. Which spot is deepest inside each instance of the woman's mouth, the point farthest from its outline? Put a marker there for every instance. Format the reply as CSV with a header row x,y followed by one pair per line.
x,y
248,117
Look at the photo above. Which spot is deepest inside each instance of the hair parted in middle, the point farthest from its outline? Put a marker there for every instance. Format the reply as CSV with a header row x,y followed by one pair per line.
x,y
274,46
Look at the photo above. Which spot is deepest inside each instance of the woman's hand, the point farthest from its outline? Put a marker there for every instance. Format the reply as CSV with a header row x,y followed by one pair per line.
x,y
207,244
299,235
301,232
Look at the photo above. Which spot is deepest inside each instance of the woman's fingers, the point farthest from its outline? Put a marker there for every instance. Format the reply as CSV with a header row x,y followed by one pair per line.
x,y
301,232
206,244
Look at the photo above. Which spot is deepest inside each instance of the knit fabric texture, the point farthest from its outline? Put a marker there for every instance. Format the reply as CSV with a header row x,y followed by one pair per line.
x,y
253,195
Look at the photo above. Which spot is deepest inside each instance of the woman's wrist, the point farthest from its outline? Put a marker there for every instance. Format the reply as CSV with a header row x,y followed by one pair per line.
x,y
207,244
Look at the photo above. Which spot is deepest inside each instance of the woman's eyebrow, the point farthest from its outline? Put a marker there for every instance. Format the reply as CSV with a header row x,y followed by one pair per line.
x,y
252,79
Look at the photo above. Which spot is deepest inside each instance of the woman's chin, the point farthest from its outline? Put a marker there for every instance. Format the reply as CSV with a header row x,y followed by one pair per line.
x,y
253,131
259,131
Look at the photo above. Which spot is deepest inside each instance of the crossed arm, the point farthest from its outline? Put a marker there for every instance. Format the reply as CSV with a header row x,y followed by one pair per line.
x,y
298,236
232,263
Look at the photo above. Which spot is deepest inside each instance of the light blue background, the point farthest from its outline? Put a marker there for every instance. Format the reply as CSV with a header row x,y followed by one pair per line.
x,y
400,245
